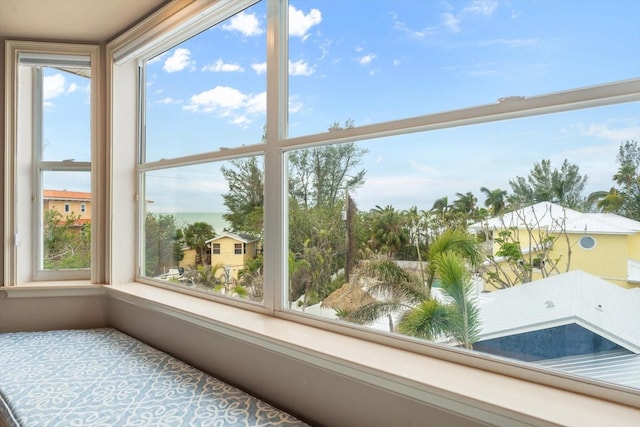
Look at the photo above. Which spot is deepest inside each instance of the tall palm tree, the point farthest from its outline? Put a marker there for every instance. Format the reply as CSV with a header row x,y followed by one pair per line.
x,y
496,200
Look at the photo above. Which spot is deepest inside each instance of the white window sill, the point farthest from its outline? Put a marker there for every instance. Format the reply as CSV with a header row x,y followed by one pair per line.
x,y
479,394
53,289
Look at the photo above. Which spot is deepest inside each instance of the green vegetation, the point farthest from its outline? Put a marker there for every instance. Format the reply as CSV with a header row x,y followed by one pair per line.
x,y
66,242
333,245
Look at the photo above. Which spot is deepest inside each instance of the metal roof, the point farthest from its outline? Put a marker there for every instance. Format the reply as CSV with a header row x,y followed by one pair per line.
x,y
555,217
617,367
576,297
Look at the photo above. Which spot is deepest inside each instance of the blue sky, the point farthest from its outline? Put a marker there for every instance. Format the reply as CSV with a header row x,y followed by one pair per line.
x,y
376,61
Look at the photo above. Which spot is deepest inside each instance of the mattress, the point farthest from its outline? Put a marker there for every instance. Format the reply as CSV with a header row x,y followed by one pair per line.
x,y
103,377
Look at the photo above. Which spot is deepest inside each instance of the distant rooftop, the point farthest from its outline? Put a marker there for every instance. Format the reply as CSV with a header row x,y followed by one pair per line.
x,y
550,215
66,195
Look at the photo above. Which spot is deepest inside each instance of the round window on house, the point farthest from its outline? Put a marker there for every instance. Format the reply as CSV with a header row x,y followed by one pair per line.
x,y
587,242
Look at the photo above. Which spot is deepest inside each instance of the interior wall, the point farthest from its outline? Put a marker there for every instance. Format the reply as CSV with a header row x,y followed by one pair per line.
x,y
48,313
319,397
2,130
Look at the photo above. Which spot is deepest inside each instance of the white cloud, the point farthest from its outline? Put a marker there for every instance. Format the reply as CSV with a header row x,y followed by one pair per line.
x,y
72,88
224,101
366,59
257,104
221,66
53,86
300,68
611,132
451,22
260,68
245,23
482,7
294,105
300,24
168,100
180,60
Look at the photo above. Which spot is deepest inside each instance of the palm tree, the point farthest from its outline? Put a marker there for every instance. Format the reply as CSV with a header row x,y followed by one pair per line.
x,y
457,241
394,290
495,200
397,290
605,201
389,233
196,236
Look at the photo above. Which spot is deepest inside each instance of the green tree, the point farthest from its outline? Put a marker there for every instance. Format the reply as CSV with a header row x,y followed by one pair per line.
x,y
458,319
195,236
495,200
320,176
245,198
628,179
466,204
563,186
66,242
389,234
162,243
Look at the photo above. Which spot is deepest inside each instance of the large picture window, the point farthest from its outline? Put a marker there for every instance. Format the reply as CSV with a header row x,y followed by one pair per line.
x,y
427,174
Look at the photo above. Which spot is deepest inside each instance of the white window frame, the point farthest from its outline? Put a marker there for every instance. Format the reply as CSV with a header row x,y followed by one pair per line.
x,y
148,40
23,168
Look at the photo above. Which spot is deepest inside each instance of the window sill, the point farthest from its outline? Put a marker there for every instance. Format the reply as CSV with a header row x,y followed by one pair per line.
x,y
53,289
478,394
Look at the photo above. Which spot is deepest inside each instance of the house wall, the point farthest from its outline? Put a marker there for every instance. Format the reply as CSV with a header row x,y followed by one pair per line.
x,y
188,259
607,260
634,247
74,207
228,257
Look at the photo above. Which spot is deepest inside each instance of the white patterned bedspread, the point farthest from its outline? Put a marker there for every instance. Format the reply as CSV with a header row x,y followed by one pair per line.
x,y
102,377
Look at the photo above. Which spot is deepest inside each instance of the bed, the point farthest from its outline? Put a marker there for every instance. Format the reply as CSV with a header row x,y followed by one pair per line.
x,y
103,377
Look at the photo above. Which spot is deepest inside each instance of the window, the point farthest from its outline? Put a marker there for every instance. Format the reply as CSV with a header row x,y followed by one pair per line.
x,y
423,123
201,155
587,242
83,207
53,144
237,249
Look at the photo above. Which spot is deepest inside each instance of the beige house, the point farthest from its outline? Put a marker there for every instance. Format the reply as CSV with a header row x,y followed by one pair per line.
x,y
68,202
232,251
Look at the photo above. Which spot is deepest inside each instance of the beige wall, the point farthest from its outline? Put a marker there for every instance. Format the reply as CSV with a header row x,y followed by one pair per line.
x,y
74,207
48,313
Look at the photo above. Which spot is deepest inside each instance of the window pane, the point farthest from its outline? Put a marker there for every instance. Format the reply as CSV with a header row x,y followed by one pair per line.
x,y
209,92
196,218
66,220
483,226
410,58
66,116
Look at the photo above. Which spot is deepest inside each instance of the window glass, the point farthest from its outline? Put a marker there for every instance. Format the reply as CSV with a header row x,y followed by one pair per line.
x,y
187,207
466,236
66,227
409,58
66,116
209,92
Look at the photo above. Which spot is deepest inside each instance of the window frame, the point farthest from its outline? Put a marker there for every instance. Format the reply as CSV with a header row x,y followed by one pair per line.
x,y
277,145
20,248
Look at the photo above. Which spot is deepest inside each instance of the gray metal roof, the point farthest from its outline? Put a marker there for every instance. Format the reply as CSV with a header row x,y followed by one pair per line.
x,y
617,367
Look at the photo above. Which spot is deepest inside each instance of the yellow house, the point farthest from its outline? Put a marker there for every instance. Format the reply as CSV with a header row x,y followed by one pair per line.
x,y
605,245
68,202
232,251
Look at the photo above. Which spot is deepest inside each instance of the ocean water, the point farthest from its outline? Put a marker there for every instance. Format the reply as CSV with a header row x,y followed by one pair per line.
x,y
213,218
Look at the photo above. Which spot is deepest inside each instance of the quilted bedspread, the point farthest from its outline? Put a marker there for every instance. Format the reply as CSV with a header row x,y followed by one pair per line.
x,y
102,377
